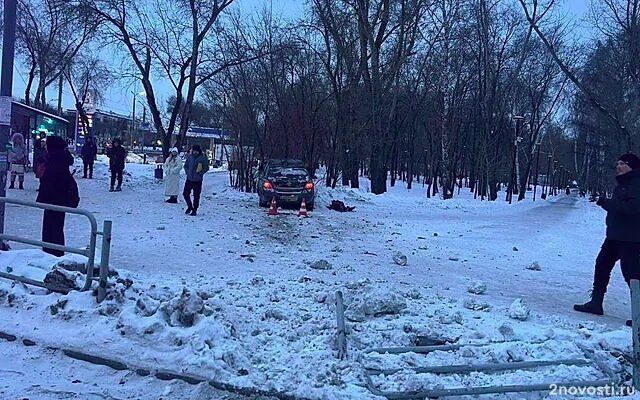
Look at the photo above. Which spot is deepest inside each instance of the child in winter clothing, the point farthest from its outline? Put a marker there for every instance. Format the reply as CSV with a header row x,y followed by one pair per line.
x,y
19,160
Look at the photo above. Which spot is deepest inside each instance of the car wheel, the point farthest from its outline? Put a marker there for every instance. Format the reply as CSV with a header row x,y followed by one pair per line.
x,y
310,207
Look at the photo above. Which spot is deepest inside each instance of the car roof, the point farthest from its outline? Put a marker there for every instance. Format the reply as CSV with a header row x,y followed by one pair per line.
x,y
284,163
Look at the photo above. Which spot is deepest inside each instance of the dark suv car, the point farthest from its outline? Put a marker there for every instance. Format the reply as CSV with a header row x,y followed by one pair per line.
x,y
288,181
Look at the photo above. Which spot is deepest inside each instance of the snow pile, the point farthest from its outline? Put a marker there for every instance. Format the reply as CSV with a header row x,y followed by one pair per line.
x,y
519,310
283,336
476,287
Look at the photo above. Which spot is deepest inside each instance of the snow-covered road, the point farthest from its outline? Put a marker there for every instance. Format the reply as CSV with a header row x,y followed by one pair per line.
x,y
233,238
262,289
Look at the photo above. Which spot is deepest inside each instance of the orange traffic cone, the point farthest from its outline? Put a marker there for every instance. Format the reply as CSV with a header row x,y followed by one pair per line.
x,y
273,210
303,210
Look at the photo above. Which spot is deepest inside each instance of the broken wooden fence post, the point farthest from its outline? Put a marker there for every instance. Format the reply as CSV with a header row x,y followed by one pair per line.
x,y
635,318
342,334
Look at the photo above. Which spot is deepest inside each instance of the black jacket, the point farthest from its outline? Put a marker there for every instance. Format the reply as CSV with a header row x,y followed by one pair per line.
x,y
623,209
117,157
89,152
57,185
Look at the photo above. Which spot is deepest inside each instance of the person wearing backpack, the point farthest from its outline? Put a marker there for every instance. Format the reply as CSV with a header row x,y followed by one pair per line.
x,y
196,166
57,187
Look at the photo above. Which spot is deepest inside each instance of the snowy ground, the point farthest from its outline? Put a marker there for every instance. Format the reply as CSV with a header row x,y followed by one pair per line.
x,y
264,317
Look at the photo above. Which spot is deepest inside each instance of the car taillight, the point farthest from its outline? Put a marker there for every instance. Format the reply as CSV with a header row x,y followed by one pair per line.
x,y
309,186
267,185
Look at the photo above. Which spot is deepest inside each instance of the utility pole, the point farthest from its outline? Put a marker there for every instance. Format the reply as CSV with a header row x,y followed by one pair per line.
x,y
133,120
535,179
60,83
513,179
547,180
6,86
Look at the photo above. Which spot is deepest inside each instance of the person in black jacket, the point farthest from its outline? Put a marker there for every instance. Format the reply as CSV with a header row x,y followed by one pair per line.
x,y
117,158
88,153
40,155
622,242
57,187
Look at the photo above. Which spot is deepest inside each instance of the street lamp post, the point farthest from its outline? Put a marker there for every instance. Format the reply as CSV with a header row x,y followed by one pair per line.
x,y
555,173
510,190
535,179
547,181
6,86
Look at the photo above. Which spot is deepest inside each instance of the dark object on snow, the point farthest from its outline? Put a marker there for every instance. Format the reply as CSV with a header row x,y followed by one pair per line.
x,y
339,206
58,282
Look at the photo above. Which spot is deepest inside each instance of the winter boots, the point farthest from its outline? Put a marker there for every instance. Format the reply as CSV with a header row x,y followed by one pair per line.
x,y
594,306
119,188
172,200
111,189
20,185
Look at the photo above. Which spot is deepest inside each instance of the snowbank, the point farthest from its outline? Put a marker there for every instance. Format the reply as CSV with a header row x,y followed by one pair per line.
x,y
279,334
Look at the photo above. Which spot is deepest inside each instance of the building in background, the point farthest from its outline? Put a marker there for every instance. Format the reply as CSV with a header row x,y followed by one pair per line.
x,y
31,121
217,143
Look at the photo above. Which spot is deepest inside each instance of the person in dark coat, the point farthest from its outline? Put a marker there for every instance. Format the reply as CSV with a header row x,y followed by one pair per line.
x,y
88,153
196,166
57,187
117,159
40,155
622,242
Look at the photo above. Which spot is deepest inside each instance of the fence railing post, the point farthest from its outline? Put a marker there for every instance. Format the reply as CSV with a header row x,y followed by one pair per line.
x,y
342,331
635,318
104,260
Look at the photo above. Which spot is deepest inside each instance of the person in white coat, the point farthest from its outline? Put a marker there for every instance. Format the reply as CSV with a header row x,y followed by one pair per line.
x,y
172,168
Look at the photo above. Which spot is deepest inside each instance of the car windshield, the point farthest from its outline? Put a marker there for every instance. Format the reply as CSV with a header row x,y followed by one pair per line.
x,y
288,172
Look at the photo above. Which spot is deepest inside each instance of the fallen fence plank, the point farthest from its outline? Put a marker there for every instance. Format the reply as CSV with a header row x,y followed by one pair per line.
x,y
488,390
342,332
457,369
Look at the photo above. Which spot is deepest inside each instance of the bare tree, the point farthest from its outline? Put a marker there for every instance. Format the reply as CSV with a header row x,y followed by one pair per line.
x,y
87,76
176,40
50,33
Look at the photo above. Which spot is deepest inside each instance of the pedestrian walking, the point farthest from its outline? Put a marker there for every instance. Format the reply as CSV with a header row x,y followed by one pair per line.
x,y
117,160
88,153
196,166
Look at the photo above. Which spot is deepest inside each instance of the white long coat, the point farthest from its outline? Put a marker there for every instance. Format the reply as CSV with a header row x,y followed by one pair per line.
x,y
172,168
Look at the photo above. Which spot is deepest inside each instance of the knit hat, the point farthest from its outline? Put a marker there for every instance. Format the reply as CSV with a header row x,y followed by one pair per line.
x,y
631,160
56,144
17,139
174,150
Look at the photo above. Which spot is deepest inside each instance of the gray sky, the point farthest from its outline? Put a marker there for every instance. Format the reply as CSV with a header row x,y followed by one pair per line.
x,y
119,100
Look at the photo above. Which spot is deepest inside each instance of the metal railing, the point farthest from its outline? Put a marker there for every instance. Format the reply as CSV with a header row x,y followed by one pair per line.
x,y
89,252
